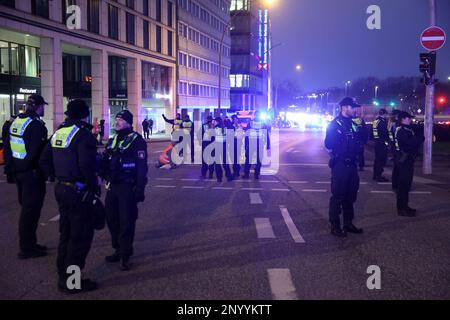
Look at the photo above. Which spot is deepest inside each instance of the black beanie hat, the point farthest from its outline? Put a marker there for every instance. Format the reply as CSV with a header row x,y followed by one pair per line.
x,y
77,109
126,115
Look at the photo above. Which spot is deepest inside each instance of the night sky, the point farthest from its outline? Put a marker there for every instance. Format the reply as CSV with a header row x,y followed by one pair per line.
x,y
331,41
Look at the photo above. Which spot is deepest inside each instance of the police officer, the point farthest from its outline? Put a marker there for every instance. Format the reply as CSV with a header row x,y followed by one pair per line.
x,y
188,131
23,147
125,170
361,134
392,127
70,157
381,137
257,139
239,146
341,139
407,146
206,141
176,123
220,153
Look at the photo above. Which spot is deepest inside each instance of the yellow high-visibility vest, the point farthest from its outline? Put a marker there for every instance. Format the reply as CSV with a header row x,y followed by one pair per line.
x,y
17,131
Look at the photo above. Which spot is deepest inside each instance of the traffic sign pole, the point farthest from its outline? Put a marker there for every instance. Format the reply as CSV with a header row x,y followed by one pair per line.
x,y
429,110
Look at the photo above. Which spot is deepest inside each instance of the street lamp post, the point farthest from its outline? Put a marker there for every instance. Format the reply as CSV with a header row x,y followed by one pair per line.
x,y
376,92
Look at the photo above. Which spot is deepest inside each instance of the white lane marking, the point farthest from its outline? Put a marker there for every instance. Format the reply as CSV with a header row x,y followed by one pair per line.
x,y
255,198
159,186
252,189
165,179
420,192
323,182
194,180
192,187
264,228
281,190
384,183
222,188
291,225
363,183
314,190
268,181
298,182
381,192
161,151
55,218
281,284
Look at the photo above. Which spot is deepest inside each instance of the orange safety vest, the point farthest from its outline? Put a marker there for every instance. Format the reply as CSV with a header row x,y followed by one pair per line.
x,y
164,157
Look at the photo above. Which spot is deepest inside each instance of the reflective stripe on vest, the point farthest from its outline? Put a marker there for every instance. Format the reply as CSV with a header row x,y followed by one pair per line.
x,y
187,127
220,135
17,131
64,136
375,128
177,124
124,144
397,146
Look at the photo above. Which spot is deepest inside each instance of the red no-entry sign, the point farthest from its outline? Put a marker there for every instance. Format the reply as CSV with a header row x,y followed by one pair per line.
x,y
433,38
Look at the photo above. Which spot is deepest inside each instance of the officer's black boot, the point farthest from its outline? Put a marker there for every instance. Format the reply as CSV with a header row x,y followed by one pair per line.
x,y
115,257
40,247
338,232
125,263
350,228
406,213
33,253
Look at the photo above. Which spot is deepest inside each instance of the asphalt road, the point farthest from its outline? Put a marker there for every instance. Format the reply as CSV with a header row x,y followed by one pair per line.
x,y
253,240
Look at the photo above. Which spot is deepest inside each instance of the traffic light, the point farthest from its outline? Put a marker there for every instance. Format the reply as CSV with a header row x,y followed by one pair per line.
x,y
428,66
392,104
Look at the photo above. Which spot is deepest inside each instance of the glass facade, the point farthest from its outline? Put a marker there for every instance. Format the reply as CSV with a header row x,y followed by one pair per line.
x,y
20,60
19,77
156,94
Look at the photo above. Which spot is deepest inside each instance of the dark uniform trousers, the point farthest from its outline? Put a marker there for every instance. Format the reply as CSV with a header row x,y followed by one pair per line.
x,y
344,190
395,176
122,213
381,155
361,158
236,159
31,189
405,178
222,161
76,227
251,155
205,166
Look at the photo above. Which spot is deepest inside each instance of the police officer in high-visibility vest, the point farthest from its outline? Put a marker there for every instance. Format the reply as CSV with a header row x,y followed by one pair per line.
x,y
125,170
220,152
188,131
407,149
239,146
392,127
381,137
342,141
362,135
257,140
23,147
206,138
176,123
71,157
